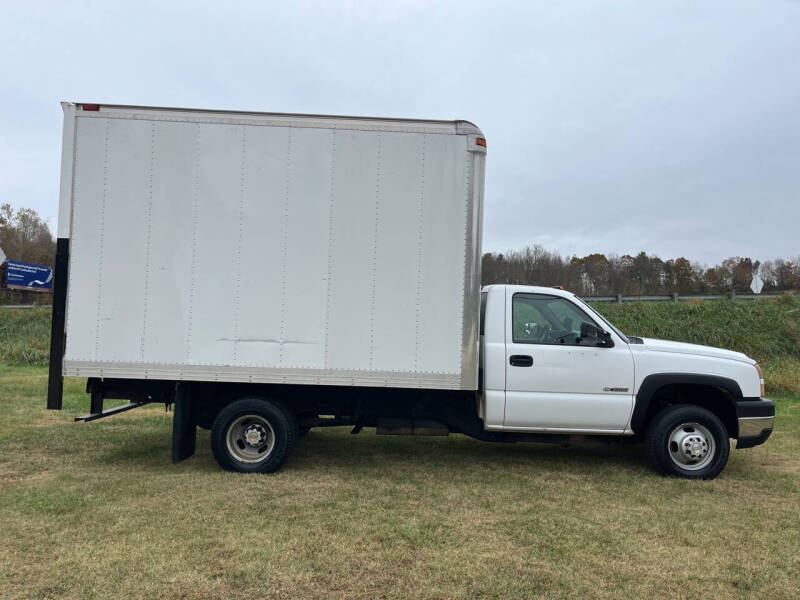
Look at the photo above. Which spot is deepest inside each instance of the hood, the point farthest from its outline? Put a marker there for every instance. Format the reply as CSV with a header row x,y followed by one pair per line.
x,y
655,345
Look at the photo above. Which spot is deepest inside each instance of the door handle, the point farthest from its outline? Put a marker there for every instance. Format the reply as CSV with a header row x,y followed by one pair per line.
x,y
521,360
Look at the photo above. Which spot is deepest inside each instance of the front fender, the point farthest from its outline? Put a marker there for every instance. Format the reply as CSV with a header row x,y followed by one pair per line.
x,y
652,383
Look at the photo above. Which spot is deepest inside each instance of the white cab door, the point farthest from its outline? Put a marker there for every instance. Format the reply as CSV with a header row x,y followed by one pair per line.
x,y
557,380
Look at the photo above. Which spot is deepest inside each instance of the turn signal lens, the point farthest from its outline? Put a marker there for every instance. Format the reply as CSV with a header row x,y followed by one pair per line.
x,y
760,378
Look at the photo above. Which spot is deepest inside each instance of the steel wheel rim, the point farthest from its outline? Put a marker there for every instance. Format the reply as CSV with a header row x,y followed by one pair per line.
x,y
250,439
691,446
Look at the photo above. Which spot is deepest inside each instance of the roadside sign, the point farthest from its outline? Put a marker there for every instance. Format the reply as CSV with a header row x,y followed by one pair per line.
x,y
28,276
757,284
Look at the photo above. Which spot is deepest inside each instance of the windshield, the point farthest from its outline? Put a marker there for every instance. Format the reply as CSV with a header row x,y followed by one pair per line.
x,y
603,319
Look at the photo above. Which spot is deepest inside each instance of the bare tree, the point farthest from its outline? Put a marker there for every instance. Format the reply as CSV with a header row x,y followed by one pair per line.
x,y
598,274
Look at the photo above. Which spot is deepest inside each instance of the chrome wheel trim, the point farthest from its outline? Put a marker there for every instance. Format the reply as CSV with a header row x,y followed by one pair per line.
x,y
691,446
250,439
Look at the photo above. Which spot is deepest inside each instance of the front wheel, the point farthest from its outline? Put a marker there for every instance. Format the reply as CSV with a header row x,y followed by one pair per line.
x,y
253,435
687,441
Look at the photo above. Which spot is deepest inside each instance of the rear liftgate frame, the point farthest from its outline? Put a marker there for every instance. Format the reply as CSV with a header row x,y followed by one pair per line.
x,y
138,392
58,334
184,427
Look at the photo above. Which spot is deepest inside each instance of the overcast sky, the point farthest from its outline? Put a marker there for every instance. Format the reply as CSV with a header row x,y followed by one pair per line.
x,y
666,126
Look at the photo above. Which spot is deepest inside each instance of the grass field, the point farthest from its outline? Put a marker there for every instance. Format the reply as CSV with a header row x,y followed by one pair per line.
x,y
97,511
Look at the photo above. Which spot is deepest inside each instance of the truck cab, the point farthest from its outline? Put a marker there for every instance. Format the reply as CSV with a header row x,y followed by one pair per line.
x,y
552,364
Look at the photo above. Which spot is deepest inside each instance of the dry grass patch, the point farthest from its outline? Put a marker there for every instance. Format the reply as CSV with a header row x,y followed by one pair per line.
x,y
97,510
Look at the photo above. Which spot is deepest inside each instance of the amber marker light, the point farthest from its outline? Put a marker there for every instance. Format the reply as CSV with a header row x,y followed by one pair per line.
x,y
760,377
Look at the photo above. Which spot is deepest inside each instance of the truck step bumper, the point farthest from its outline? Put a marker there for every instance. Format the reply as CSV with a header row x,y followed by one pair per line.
x,y
109,411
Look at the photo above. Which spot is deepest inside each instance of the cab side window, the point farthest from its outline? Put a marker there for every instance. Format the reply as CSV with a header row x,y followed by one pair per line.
x,y
541,319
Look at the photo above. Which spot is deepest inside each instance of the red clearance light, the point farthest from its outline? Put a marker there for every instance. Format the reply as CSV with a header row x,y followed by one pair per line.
x,y
480,142
90,106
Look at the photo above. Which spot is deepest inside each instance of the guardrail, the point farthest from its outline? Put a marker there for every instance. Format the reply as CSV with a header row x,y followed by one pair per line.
x,y
675,297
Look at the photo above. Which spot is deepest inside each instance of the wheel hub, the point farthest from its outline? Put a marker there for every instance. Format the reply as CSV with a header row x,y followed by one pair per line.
x,y
250,438
695,447
691,446
254,435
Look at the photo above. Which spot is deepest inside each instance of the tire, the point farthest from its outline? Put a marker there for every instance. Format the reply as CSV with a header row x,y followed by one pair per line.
x,y
253,435
687,441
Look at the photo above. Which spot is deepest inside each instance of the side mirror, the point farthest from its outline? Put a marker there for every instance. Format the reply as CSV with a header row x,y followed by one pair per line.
x,y
590,331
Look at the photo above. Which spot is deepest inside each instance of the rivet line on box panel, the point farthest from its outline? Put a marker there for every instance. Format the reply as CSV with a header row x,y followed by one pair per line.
x,y
193,267
420,242
374,266
147,236
285,243
239,242
329,280
101,243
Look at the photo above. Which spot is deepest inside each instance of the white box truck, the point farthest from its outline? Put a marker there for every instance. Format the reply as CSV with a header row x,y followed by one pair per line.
x,y
270,273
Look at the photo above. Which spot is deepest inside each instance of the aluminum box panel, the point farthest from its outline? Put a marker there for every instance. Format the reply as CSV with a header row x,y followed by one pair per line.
x,y
286,248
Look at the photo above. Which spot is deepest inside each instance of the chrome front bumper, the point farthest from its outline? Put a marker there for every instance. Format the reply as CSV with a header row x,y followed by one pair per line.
x,y
754,426
756,418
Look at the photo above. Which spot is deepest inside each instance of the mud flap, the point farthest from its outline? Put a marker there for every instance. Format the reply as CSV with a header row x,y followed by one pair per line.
x,y
184,430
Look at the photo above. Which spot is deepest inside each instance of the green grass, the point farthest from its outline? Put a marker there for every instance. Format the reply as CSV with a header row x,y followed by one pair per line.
x,y
24,336
762,329
97,511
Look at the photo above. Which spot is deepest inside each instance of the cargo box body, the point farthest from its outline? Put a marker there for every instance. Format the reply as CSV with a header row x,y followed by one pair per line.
x,y
251,247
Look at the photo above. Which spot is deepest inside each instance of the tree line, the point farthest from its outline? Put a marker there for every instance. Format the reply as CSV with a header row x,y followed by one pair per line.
x,y
643,274
25,236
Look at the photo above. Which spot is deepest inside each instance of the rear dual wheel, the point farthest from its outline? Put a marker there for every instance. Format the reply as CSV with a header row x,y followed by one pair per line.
x,y
687,441
253,435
